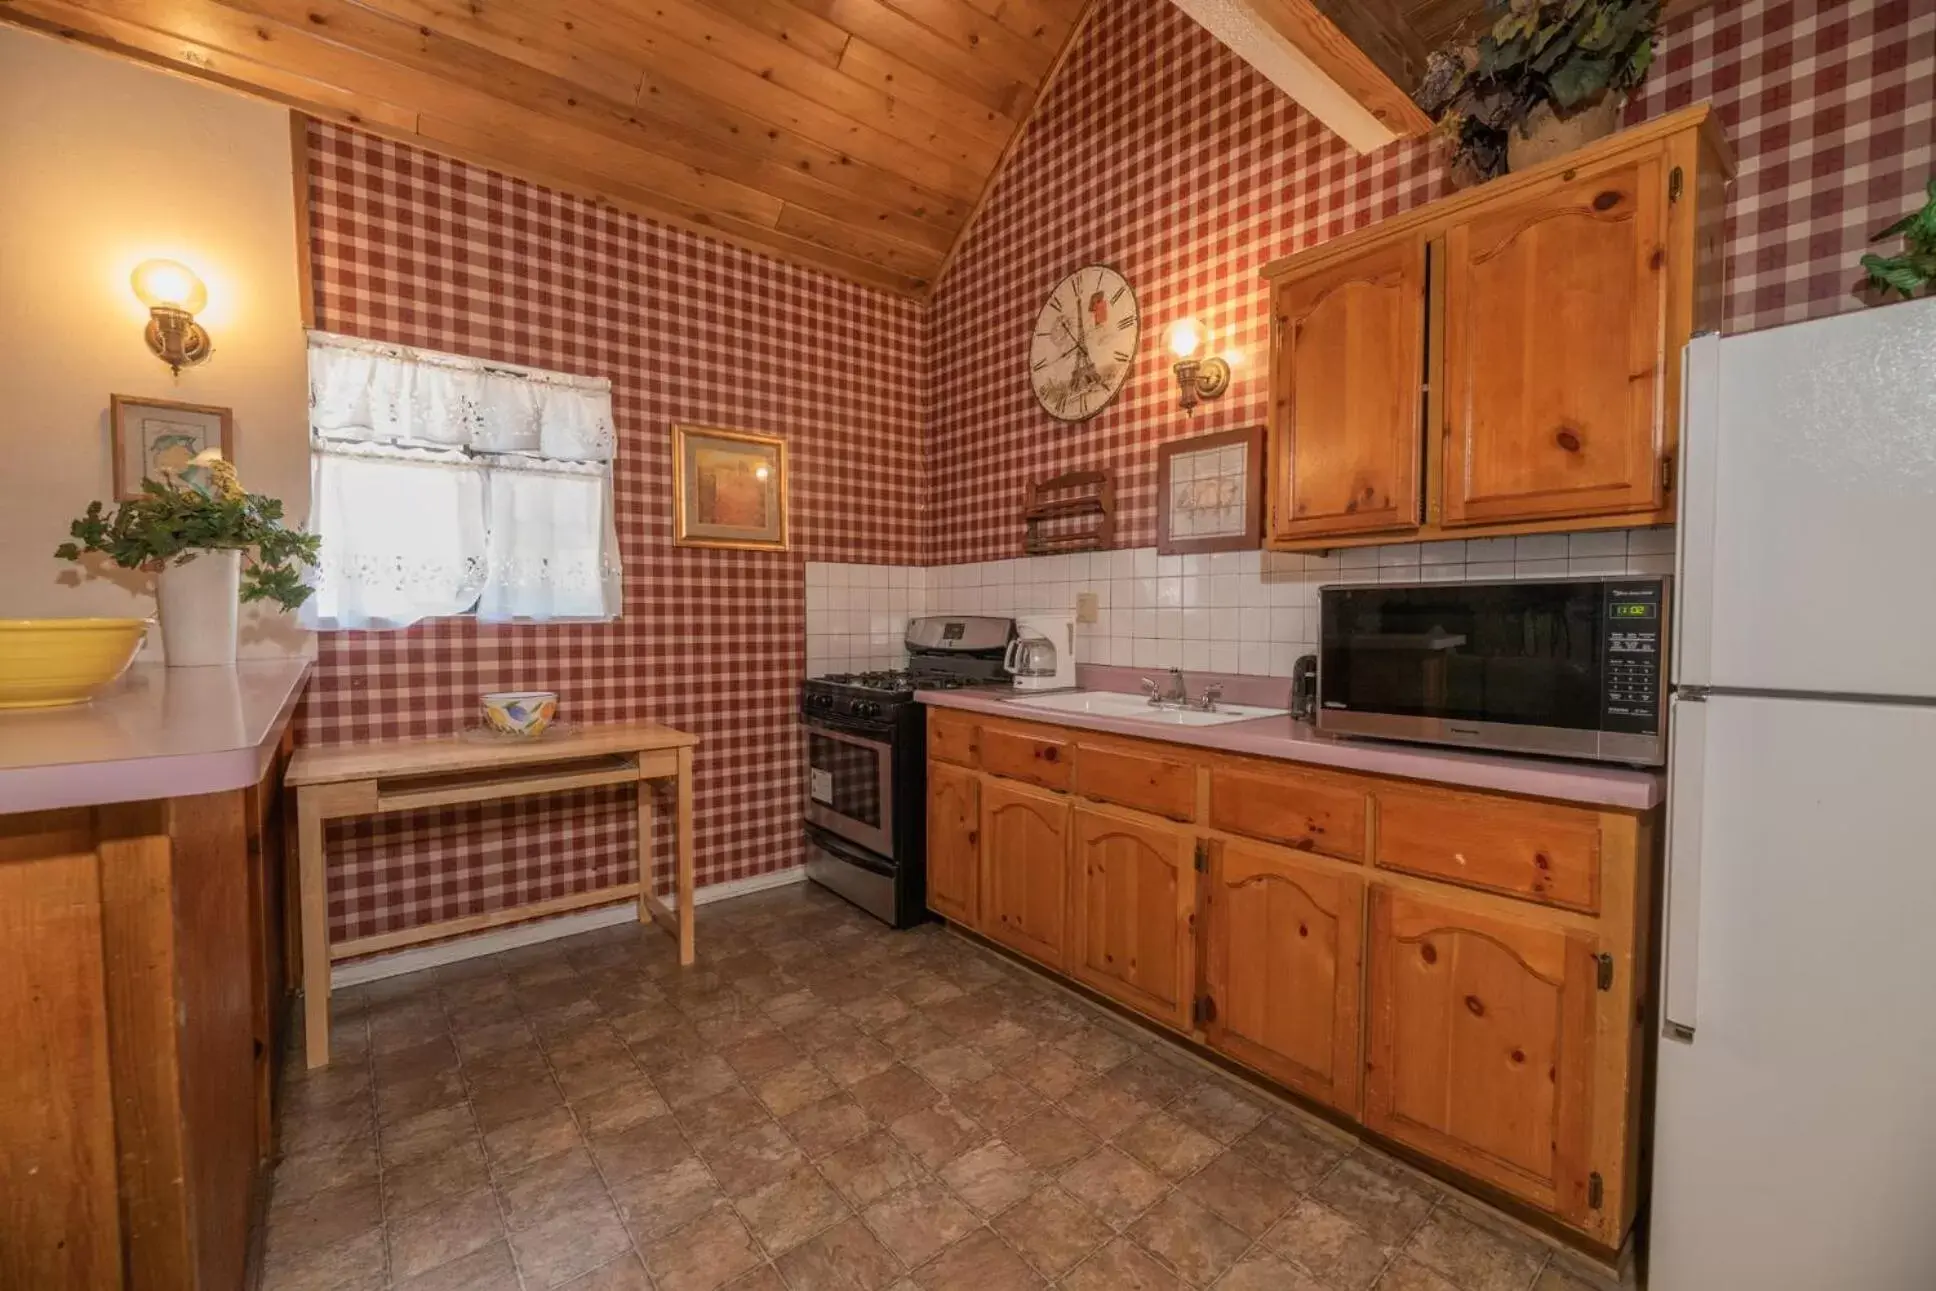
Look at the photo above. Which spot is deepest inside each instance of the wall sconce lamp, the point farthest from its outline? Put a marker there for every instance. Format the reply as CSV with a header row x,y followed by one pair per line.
x,y
1196,379
173,295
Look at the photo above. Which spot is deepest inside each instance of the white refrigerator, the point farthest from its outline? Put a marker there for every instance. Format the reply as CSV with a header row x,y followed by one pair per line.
x,y
1795,1128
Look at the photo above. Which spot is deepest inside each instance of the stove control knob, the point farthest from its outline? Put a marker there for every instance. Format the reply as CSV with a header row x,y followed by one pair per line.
x,y
868,708
822,701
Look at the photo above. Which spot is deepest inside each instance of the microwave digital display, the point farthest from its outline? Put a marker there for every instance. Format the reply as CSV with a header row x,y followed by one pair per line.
x,y
1631,610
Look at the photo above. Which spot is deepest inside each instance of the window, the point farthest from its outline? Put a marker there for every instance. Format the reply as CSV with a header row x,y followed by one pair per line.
x,y
443,485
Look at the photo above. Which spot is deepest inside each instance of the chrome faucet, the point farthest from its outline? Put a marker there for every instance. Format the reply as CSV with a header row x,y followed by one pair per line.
x,y
1207,701
1179,694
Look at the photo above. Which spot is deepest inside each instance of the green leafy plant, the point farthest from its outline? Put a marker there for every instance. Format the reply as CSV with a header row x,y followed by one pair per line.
x,y
1564,54
1915,268
203,508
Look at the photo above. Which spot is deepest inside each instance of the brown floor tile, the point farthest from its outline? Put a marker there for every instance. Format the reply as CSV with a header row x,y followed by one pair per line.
x,y
1407,1274
426,1135
1053,1231
787,1089
914,1036
630,1102
1241,1191
658,1201
1049,1139
1265,1272
300,1175
489,1268
980,1261
583,1079
1471,1257
1340,1253
570,1243
402,1100
750,1161
435,1179
829,1032
828,1125
417,1059
474,1043
521,1143
1218,1110
1381,1199
893,1093
352,1264
761,1054
917,1222
625,1273
937,1135
790,1210
695,1080
991,1178
648,1145
549,1188
1188,1238
716,1119
440,1234
498,1105
325,1218
1554,1278
707,1253
870,1168
1297,1155
1120,1266
855,1060
1168,1146
1149,1078
845,1257
997,1101
952,1066
1106,1109
877,1012
1052,1073
1112,1185
762,1278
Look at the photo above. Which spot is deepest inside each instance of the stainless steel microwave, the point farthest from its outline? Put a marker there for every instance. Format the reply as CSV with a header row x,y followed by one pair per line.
x,y
1573,667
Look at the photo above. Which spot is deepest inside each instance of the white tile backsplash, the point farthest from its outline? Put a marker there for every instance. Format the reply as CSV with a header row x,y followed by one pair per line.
x,y
1232,612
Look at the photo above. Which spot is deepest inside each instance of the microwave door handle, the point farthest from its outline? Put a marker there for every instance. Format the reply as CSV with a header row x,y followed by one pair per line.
x,y
1681,939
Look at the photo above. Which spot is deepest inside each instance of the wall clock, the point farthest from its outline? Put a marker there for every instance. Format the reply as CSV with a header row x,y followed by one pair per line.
x,y
1084,343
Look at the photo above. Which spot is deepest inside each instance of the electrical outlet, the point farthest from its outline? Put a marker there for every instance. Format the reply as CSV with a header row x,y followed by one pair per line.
x,y
1085,607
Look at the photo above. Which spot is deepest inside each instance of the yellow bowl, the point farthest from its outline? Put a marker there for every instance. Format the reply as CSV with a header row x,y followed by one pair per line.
x,y
48,662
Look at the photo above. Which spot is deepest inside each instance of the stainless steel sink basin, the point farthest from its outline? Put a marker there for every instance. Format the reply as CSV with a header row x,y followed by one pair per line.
x,y
1135,708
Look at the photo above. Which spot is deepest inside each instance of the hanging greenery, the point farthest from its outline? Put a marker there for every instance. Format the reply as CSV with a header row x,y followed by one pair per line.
x,y
1915,268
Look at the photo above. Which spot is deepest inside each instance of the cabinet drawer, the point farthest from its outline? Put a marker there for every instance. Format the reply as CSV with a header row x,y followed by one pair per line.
x,y
1539,851
1308,810
1023,754
951,738
1137,776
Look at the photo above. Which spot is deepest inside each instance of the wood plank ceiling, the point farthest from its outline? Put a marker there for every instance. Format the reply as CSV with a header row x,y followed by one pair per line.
x,y
854,135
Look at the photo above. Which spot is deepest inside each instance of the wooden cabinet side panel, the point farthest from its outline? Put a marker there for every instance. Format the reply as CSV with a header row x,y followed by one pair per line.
x,y
1024,869
1134,886
954,835
59,1219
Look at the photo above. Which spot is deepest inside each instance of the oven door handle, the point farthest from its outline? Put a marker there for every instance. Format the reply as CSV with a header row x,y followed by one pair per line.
x,y
840,849
835,730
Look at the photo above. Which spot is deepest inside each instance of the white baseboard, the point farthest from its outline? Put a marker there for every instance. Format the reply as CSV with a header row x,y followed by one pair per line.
x,y
417,958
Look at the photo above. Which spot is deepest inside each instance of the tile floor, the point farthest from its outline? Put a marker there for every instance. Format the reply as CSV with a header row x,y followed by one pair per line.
x,y
820,1104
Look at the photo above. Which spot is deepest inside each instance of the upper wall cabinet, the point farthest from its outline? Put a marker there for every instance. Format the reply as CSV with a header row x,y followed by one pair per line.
x,y
1506,360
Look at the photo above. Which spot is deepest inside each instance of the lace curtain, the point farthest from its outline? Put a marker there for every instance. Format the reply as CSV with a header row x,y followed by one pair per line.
x,y
444,485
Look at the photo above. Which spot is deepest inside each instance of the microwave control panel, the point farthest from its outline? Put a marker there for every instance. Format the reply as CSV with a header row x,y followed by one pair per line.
x,y
1632,664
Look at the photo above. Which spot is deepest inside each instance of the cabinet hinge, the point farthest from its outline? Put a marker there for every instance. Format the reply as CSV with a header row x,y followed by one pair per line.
x,y
1202,856
1203,1010
1596,1191
1675,183
1604,965
1667,473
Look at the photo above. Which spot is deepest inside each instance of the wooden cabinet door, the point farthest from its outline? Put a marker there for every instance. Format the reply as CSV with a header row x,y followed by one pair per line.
x,y
1482,1044
954,836
1134,884
1348,373
1024,869
1555,350
1284,943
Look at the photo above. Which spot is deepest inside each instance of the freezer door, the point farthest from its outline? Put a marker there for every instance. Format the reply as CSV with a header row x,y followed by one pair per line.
x,y
1808,514
1794,1134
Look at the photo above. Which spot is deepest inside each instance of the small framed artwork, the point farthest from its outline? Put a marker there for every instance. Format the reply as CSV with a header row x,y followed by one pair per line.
x,y
729,489
152,439
1210,492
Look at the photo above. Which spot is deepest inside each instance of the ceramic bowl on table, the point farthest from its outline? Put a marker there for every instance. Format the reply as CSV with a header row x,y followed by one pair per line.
x,y
45,663
523,713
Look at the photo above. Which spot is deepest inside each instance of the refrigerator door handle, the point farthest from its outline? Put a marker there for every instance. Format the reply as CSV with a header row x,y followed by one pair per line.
x,y
1681,939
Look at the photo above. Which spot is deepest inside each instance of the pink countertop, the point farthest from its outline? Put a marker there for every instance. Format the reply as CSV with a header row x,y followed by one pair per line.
x,y
1294,741
159,732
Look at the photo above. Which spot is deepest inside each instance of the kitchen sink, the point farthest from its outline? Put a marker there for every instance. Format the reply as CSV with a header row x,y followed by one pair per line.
x,y
1135,708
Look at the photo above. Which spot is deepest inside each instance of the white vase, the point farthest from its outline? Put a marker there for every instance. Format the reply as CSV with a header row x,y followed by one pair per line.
x,y
198,609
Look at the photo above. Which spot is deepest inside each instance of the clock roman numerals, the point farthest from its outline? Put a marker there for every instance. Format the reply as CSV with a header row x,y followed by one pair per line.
x,y
1127,321
1084,344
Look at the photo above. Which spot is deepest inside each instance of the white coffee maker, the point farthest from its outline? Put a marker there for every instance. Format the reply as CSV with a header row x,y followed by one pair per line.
x,y
1043,654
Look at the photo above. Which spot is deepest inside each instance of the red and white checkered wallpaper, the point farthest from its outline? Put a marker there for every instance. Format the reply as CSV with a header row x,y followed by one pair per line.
x,y
1158,151
413,248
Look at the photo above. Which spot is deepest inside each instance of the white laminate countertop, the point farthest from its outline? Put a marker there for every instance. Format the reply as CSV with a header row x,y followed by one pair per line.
x,y
158,732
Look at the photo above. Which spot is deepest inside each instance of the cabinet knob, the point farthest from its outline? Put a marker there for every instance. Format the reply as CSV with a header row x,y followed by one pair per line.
x,y
1048,754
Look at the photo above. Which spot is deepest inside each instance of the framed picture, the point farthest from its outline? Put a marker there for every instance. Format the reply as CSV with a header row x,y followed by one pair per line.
x,y
1210,492
729,489
151,439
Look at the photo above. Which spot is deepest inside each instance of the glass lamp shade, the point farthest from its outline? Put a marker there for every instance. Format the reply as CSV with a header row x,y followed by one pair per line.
x,y
168,284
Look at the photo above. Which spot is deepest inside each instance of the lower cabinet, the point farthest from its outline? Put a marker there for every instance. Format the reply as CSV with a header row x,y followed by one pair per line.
x,y
1134,895
1283,945
1482,1045
1024,869
954,842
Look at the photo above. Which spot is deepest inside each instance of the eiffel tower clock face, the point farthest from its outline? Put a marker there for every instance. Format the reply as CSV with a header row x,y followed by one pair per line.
x,y
1084,343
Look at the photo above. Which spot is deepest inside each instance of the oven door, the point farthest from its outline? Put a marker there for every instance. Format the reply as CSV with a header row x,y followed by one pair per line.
x,y
850,786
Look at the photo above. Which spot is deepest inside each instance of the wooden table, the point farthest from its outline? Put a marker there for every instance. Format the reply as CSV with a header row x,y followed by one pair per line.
x,y
369,779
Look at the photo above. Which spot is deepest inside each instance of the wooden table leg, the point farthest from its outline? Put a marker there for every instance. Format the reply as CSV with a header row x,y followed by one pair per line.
x,y
647,820
685,856
315,930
